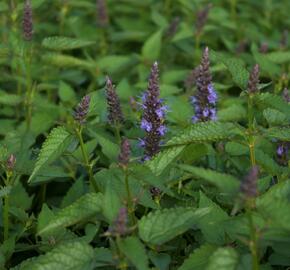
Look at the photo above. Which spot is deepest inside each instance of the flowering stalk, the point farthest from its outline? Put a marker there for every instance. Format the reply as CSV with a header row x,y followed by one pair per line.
x,y
80,116
201,19
124,157
27,31
153,116
205,99
249,190
252,90
115,115
10,164
102,22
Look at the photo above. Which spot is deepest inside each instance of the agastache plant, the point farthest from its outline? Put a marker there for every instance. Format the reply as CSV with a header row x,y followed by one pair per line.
x,y
201,18
153,115
120,226
27,23
205,99
115,115
124,155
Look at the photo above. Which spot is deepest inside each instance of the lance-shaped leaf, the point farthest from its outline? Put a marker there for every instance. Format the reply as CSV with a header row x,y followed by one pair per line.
x,y
84,208
69,256
55,144
65,43
161,226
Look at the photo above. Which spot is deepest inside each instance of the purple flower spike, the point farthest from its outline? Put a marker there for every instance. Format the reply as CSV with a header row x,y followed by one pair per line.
x,y
285,94
205,99
102,13
282,153
115,115
124,155
10,163
120,225
82,110
27,23
153,115
254,80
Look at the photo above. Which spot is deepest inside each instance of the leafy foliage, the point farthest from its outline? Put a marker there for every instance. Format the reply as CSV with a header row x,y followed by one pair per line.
x,y
78,191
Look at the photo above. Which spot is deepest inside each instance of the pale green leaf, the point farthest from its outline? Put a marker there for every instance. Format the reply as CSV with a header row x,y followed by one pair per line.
x,y
152,46
224,258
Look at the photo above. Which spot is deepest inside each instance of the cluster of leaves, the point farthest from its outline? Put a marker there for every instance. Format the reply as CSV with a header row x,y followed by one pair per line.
x,y
64,195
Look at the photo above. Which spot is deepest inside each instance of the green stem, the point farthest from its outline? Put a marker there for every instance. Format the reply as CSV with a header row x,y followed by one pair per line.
x,y
6,209
117,132
86,159
251,142
129,198
28,86
253,242
6,217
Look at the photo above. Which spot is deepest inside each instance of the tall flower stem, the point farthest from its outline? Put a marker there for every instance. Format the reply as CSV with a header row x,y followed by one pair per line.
x,y
6,222
86,159
251,139
29,86
254,240
129,198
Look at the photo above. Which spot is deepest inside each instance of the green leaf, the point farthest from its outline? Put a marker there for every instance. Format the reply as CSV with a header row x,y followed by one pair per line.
x,y
197,133
224,182
69,256
204,132
152,47
236,67
65,43
282,134
274,205
9,99
268,100
211,224
66,93
162,160
279,57
55,144
274,117
112,202
225,258
4,191
85,207
65,61
134,250
198,259
161,226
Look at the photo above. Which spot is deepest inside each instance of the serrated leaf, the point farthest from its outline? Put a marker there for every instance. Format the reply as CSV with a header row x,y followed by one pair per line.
x,y
236,67
162,160
63,61
199,258
152,46
225,182
225,258
4,191
161,226
65,43
9,99
279,57
274,205
85,207
134,250
55,144
204,132
268,100
197,133
211,224
69,256
282,134
274,117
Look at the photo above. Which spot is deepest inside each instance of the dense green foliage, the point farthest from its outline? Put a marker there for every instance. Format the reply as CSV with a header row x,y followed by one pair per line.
x,y
63,189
